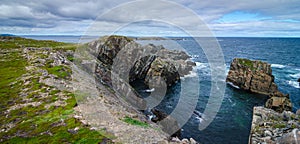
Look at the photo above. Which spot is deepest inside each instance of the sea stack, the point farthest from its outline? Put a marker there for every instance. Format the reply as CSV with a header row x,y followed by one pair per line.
x,y
256,76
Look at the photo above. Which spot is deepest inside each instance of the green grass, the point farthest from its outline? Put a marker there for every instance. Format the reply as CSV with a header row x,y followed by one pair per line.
x,y
60,71
7,42
37,124
132,121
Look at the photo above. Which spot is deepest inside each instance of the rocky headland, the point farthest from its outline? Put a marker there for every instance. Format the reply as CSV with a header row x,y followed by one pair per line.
x,y
273,123
42,100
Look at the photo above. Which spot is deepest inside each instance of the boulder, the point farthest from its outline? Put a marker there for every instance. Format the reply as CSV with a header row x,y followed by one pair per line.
x,y
279,103
298,80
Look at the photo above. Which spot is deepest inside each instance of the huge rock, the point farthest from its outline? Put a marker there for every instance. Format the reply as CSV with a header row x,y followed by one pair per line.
x,y
256,76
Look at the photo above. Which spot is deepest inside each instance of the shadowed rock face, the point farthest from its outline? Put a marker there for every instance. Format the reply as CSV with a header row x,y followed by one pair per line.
x,y
256,76
139,62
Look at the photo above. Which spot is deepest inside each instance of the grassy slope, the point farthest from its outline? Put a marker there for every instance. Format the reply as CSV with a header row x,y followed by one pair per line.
x,y
36,124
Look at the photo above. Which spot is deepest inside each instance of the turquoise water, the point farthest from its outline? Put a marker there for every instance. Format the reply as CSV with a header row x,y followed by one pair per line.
x,y
233,121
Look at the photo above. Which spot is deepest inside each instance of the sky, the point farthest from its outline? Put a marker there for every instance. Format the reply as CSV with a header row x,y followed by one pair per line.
x,y
235,18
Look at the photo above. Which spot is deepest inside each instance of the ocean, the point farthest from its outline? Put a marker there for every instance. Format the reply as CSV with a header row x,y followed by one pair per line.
x,y
233,121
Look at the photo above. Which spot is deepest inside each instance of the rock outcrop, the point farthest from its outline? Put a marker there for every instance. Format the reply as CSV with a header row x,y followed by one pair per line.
x,y
256,76
139,62
269,126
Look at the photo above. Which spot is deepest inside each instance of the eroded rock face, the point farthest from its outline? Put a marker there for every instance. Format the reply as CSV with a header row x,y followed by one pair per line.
x,y
256,76
139,62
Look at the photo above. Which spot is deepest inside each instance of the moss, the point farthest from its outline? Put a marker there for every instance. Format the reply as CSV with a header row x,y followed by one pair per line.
x,y
246,62
132,121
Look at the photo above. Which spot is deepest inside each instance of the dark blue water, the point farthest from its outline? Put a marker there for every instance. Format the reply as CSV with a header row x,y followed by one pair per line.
x,y
233,121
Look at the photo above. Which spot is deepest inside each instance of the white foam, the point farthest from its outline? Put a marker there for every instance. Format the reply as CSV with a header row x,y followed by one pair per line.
x,y
294,84
277,66
230,83
297,75
150,90
200,65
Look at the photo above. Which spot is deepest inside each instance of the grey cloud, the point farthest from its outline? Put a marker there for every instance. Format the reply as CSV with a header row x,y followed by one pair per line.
x,y
58,14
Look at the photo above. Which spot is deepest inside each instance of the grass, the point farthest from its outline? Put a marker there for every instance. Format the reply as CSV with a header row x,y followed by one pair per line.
x,y
132,121
7,42
279,125
37,124
60,71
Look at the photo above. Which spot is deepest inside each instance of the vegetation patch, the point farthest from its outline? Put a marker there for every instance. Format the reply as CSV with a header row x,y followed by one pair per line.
x,y
60,71
132,121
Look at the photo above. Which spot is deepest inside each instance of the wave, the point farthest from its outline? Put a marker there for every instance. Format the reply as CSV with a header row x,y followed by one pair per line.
x,y
199,116
200,65
278,66
296,75
294,84
230,83
149,90
193,73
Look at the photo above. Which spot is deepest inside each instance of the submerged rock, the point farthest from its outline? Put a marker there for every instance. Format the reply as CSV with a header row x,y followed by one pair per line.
x,y
256,76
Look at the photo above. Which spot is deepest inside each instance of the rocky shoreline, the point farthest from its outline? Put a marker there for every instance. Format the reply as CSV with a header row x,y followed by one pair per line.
x,y
274,122
130,61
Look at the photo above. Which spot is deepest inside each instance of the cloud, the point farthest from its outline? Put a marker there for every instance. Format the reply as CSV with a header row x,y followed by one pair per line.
x,y
255,18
